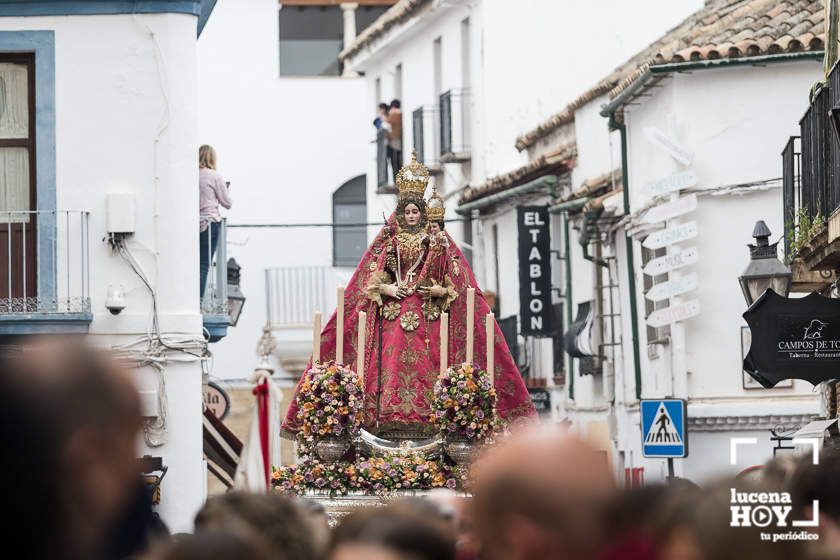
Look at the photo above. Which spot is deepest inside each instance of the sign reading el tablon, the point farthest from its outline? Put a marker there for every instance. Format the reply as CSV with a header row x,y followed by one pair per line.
x,y
671,235
671,210
672,183
667,263
672,287
793,338
668,315
535,310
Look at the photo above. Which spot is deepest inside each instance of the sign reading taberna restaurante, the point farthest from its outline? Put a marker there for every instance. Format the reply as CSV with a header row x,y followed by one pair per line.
x,y
535,310
793,338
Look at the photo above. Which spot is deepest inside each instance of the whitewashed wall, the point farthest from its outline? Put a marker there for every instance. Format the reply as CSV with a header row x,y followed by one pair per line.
x,y
126,121
736,132
285,144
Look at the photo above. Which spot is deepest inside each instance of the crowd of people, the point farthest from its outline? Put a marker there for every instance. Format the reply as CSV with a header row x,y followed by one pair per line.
x,y
71,418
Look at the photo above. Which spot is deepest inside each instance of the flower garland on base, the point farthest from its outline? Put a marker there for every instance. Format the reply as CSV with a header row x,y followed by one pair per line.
x,y
374,476
464,404
330,402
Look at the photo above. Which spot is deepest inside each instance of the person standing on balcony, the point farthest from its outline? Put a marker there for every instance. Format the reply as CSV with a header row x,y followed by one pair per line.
x,y
381,116
394,120
213,191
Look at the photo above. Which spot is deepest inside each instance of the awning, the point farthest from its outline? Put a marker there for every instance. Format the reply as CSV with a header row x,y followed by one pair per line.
x,y
816,429
221,448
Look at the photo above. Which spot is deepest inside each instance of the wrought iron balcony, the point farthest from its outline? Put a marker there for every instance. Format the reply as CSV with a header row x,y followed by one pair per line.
x,y
384,180
44,271
455,126
425,128
214,303
294,293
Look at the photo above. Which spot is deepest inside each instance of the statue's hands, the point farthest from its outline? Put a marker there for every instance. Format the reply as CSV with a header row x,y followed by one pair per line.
x,y
391,290
433,291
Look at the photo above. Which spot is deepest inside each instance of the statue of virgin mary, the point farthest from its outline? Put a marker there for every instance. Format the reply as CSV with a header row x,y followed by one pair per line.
x,y
409,275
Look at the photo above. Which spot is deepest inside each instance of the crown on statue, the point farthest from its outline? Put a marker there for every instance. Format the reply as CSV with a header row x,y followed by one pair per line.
x,y
412,178
435,207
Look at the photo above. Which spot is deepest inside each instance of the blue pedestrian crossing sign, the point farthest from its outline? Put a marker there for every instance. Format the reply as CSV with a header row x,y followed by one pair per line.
x,y
663,428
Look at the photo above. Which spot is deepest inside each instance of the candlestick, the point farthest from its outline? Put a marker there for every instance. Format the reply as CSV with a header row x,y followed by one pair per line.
x,y
316,339
470,323
339,326
444,341
489,325
360,348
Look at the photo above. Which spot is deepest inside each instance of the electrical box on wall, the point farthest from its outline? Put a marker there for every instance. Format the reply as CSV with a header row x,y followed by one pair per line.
x,y
121,213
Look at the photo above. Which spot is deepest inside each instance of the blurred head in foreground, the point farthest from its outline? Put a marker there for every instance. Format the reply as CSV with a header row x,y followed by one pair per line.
x,y
396,532
217,545
279,520
70,462
541,493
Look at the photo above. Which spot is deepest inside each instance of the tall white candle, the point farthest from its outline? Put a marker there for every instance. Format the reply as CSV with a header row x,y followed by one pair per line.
x,y
489,325
360,347
339,326
316,339
444,341
470,323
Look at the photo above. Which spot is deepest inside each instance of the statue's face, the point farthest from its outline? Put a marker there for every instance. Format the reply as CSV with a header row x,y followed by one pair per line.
x,y
434,228
412,214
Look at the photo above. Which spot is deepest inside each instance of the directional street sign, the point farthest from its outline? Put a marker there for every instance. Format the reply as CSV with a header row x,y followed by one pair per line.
x,y
671,235
671,210
673,287
668,315
667,263
675,150
670,184
664,428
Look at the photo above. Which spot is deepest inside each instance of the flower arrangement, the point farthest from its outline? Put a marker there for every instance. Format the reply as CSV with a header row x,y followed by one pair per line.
x,y
376,475
464,404
329,401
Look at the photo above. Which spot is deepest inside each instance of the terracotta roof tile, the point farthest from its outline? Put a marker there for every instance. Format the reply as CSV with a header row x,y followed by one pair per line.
x,y
721,29
396,14
561,159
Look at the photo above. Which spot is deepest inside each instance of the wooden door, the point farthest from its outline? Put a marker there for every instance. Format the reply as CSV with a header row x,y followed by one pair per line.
x,y
18,222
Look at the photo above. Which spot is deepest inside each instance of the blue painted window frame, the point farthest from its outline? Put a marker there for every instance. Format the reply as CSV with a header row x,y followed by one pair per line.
x,y
42,44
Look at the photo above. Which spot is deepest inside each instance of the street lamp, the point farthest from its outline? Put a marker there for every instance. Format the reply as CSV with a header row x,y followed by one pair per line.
x,y
765,270
236,299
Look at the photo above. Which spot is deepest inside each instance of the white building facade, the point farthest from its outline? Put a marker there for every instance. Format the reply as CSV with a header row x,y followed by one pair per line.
x,y
115,144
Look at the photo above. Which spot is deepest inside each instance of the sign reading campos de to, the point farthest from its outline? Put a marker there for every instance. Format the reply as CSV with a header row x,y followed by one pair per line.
x,y
672,183
535,311
671,235
793,338
667,263
672,147
673,287
679,312
664,428
671,210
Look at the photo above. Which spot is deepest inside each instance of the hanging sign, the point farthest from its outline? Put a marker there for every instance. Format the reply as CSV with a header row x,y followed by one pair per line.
x,y
793,338
578,339
672,183
535,310
680,312
673,287
671,235
667,263
671,210
216,399
541,399
664,428
674,149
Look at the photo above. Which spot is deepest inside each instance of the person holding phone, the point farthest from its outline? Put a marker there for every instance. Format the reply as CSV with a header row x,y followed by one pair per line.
x,y
213,192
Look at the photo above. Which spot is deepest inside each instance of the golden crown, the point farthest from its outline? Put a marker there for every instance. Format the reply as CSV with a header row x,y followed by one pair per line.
x,y
412,178
435,207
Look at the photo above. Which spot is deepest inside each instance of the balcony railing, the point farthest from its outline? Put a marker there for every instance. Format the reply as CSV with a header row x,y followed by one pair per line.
x,y
44,263
791,188
294,293
383,178
455,125
215,300
425,127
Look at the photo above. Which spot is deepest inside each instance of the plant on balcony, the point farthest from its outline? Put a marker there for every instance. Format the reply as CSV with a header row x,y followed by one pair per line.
x,y
803,230
464,404
329,402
